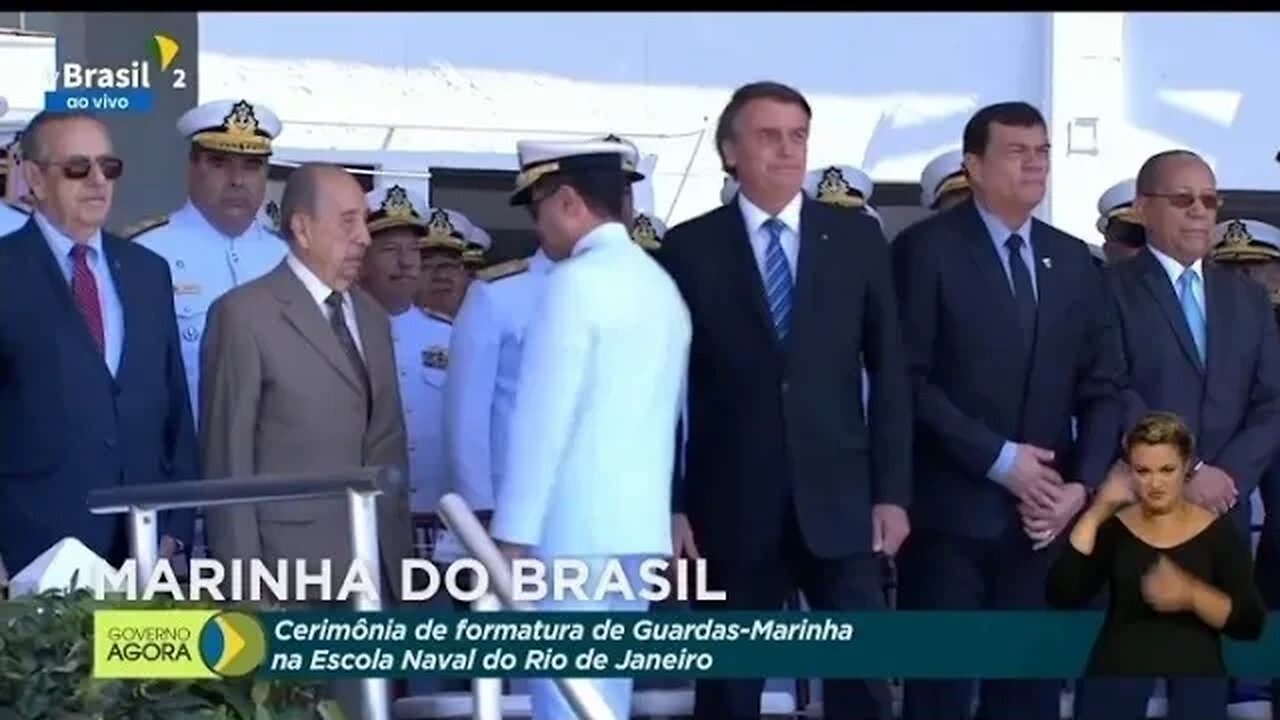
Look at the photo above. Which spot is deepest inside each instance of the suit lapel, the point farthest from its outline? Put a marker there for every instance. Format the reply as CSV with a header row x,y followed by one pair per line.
x,y
1157,282
48,267
740,262
132,303
990,271
1218,316
376,350
1049,289
810,257
301,311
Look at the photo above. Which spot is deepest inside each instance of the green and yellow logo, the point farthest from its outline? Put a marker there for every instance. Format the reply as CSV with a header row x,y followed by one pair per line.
x,y
176,644
233,644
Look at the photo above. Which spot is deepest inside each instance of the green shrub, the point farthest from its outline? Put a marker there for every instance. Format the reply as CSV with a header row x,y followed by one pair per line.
x,y
46,657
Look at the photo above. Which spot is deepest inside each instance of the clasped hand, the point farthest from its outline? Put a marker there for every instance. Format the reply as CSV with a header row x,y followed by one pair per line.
x,y
1046,502
1167,587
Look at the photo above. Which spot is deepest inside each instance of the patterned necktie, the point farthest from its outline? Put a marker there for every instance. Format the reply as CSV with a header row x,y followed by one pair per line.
x,y
339,324
84,290
1191,308
777,279
1024,294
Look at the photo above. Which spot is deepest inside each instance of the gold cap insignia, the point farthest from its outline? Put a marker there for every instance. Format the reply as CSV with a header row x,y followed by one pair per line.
x,y
441,232
240,133
397,204
835,190
436,357
645,234
1237,234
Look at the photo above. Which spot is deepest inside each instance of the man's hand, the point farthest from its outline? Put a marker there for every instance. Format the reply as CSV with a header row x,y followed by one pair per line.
x,y
1044,525
682,543
1032,479
1212,489
889,528
1167,587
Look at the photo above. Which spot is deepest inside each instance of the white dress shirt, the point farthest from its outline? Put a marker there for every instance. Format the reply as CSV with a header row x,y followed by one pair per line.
x,y
108,298
320,292
1174,269
588,467
755,218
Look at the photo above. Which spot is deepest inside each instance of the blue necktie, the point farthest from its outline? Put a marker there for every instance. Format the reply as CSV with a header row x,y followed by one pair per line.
x,y
1191,308
777,279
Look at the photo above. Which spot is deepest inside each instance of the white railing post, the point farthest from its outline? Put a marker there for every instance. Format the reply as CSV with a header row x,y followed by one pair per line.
x,y
486,692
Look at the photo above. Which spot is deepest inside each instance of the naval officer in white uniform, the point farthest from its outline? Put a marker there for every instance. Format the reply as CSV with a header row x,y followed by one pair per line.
x,y
484,362
13,215
591,449
218,240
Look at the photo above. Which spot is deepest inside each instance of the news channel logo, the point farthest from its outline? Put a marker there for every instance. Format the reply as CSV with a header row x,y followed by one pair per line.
x,y
124,88
176,644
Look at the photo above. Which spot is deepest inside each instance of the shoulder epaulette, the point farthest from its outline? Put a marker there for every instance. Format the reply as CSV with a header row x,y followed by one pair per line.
x,y
503,270
142,226
438,316
18,207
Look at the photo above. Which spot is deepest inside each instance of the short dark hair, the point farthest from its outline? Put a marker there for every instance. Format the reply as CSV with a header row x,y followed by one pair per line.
x,y
302,193
600,190
762,90
1149,175
977,132
33,145
1161,428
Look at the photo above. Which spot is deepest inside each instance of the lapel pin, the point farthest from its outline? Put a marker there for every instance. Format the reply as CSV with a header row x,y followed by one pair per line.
x,y
1047,262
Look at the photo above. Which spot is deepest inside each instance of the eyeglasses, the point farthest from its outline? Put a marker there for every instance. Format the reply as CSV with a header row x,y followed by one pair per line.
x,y
1184,200
78,167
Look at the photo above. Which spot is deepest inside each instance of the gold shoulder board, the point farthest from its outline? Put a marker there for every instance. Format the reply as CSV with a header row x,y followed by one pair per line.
x,y
138,228
503,270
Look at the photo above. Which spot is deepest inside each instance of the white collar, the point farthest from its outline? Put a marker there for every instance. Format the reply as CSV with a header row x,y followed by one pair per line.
x,y
601,234
1173,268
755,217
315,286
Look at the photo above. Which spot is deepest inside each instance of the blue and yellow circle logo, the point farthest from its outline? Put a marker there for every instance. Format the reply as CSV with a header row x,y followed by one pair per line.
x,y
233,644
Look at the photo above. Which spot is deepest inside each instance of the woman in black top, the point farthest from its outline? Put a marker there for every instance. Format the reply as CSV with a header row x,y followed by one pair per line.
x,y
1179,578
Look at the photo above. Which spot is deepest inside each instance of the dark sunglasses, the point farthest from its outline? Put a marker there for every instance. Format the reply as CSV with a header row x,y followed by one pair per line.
x,y
78,167
1182,201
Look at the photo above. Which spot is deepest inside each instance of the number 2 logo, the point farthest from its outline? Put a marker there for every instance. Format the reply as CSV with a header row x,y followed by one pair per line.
x,y
179,79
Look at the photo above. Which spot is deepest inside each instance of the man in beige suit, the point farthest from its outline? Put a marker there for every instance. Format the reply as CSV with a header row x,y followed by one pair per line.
x,y
297,375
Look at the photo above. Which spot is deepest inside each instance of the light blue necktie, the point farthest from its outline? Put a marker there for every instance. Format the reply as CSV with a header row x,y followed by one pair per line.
x,y
1191,308
777,279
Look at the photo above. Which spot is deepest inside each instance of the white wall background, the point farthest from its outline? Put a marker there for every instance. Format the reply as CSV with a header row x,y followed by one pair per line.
x,y
881,98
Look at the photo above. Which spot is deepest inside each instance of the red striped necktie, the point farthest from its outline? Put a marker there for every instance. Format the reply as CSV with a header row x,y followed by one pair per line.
x,y
84,289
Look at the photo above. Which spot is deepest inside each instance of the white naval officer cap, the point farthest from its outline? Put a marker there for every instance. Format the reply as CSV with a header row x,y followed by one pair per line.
x,y
842,185
647,231
395,206
729,190
478,243
1117,204
1246,241
231,126
543,158
942,175
630,161
446,230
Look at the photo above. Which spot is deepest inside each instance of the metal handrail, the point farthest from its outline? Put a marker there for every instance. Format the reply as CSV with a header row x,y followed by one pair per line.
x,y
583,696
361,487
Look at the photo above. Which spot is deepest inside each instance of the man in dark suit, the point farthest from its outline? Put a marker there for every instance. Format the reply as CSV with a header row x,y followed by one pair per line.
x,y
92,388
1198,340
785,484
1007,338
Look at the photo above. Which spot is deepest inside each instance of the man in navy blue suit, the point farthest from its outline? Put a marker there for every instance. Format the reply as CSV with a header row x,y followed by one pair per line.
x,y
92,388
1198,340
790,481
1008,338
